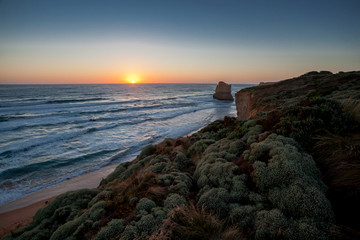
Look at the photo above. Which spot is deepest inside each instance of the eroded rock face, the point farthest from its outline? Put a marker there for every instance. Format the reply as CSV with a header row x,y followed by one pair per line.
x,y
273,96
223,92
243,101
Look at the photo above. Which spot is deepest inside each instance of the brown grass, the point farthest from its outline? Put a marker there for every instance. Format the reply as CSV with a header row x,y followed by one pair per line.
x,y
138,185
344,233
168,146
187,222
157,193
352,106
339,157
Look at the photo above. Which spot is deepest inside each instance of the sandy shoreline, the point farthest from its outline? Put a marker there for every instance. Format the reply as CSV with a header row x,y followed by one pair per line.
x,y
15,219
19,213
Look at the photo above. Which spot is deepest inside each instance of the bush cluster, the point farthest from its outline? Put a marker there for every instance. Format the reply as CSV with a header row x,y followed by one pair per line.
x,y
293,186
62,210
311,117
199,190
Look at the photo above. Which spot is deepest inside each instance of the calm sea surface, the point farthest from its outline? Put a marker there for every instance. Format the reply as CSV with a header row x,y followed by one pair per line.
x,y
50,133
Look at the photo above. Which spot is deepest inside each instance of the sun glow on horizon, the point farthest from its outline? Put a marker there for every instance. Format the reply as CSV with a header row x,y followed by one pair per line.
x,y
132,78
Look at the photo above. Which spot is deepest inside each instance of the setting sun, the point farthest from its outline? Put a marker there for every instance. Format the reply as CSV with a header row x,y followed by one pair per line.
x,y
132,78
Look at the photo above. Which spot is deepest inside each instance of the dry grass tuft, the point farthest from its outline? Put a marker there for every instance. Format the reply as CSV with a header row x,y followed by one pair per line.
x,y
352,107
187,222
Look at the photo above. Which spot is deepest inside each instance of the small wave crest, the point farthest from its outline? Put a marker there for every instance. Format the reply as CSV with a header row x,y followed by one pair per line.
x,y
74,100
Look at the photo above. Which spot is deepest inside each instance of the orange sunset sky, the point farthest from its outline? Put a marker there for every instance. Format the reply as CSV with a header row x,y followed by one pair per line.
x,y
52,42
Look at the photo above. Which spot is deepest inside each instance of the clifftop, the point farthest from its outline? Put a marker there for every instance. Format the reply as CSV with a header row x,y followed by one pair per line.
x,y
266,97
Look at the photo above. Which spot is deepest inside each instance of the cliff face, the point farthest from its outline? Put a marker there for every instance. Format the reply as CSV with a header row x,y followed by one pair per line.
x,y
244,104
267,97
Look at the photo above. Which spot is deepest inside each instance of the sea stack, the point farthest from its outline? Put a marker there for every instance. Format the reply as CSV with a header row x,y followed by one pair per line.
x,y
223,92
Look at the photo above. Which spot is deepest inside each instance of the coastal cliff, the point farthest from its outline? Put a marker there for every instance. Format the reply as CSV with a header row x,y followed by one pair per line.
x,y
266,97
290,172
244,105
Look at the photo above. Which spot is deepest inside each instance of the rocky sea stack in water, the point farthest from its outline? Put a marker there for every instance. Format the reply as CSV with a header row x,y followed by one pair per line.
x,y
223,92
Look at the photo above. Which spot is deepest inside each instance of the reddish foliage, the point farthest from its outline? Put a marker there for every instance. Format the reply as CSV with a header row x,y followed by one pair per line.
x,y
244,166
271,120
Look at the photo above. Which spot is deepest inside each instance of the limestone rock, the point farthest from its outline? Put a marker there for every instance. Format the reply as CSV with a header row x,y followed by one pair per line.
x,y
223,92
274,96
243,101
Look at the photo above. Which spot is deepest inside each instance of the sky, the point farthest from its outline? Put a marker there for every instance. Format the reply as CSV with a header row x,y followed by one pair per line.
x,y
175,41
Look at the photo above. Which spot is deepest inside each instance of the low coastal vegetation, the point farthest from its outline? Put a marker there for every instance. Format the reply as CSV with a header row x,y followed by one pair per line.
x,y
292,173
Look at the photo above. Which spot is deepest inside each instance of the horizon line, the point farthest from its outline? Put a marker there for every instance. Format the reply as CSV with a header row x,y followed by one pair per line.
x,y
132,84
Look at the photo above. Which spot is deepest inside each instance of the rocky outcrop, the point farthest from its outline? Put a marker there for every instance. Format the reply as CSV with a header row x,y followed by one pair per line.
x,y
274,95
245,104
223,92
266,83
243,100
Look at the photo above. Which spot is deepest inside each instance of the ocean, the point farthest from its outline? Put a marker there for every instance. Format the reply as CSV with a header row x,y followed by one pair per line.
x,y
51,133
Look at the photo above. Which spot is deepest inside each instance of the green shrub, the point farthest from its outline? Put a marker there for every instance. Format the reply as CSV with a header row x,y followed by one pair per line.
x,y
215,201
69,228
256,197
236,147
113,229
270,224
159,159
133,167
174,200
134,200
242,216
156,168
305,119
83,228
62,209
145,204
77,200
252,134
218,173
158,164
301,200
239,191
306,229
288,182
179,182
129,233
81,223
146,225
147,151
116,173
97,211
221,129
181,162
199,147
103,195
159,213
278,162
